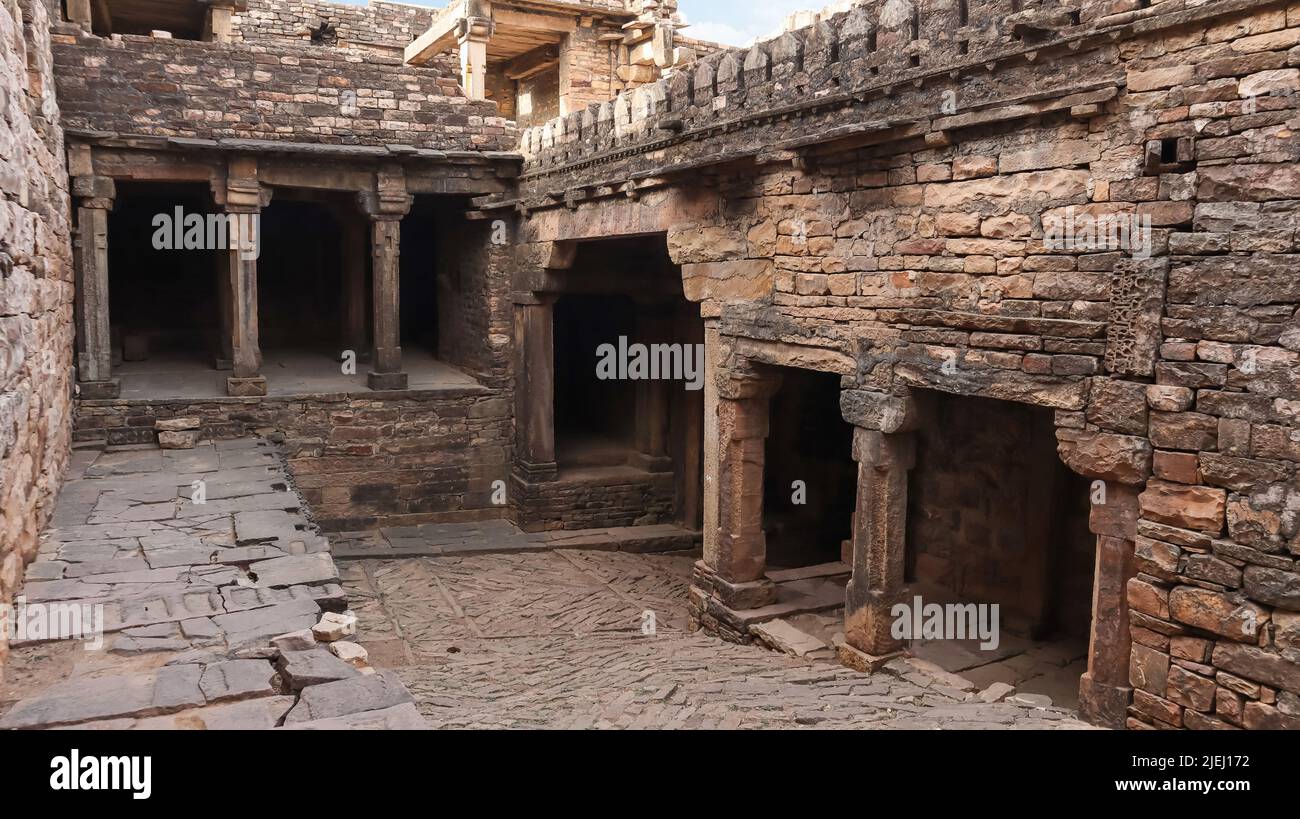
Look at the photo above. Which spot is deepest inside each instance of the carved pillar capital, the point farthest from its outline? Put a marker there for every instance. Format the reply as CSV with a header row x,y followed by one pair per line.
x,y
99,192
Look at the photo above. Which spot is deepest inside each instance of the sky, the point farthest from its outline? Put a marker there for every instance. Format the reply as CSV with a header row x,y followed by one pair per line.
x,y
732,22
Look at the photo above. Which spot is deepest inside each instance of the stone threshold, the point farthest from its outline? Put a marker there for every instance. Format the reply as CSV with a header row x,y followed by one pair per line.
x,y
822,590
499,536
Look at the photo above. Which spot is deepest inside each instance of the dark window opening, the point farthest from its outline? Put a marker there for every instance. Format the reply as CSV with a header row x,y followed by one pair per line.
x,y
1169,150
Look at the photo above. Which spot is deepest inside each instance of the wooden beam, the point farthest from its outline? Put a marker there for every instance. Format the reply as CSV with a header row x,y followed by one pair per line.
x,y
440,37
512,18
532,62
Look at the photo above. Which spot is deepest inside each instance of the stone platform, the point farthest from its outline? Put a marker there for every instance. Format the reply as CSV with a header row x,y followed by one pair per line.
x,y
191,561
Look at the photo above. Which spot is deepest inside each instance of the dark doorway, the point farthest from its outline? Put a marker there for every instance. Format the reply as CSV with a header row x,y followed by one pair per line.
x,y
809,477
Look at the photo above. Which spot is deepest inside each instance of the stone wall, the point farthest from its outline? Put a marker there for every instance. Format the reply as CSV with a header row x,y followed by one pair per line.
x,y
266,91
907,202
409,457
596,501
376,26
36,298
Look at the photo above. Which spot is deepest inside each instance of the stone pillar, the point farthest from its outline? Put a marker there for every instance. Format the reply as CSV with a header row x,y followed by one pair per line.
x,y
244,198
652,398
1104,689
711,459
90,244
386,206
879,544
736,560
217,23
535,387
78,11
472,35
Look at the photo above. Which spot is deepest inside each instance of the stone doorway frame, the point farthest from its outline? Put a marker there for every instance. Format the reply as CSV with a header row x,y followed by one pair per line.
x,y
732,572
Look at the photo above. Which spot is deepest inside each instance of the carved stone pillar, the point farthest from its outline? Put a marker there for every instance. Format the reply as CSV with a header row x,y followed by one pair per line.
x,y
738,558
90,244
242,200
386,206
879,542
472,35
535,387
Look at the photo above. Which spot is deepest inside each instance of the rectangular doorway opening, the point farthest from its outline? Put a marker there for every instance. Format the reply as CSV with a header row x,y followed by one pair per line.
x,y
994,517
164,280
809,475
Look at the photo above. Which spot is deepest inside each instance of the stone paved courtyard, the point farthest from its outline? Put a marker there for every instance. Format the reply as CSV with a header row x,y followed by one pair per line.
x,y
554,640
192,595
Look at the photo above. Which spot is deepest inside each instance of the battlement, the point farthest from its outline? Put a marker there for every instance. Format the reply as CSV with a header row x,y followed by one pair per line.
x,y
877,44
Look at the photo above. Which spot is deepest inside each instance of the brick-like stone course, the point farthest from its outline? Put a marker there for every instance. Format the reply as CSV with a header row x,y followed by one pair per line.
x,y
414,457
35,291
266,90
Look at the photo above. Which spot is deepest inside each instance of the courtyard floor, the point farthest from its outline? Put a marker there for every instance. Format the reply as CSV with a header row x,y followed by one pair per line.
x,y
483,626
556,640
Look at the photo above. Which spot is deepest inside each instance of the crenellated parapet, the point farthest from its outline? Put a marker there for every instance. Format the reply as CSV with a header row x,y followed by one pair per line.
x,y
878,52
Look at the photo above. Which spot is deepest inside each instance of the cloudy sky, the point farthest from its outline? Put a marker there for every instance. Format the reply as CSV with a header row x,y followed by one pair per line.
x,y
734,22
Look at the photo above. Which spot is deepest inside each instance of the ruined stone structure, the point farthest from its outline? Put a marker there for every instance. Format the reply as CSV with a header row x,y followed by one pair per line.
x,y
889,196
36,292
1006,289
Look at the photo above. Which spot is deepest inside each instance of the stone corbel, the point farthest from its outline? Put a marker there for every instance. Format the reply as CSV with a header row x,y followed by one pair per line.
x,y
94,191
389,200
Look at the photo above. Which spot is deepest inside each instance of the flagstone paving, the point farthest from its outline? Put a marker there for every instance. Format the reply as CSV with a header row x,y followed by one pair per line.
x,y
494,630
559,640
190,561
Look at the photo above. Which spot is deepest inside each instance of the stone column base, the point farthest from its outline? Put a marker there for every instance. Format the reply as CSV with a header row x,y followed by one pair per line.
x,y
864,662
223,364
386,381
251,386
1103,704
111,388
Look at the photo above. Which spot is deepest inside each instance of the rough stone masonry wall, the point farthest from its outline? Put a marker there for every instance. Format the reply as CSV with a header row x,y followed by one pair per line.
x,y
265,91
358,460
385,27
35,291
1215,609
1174,378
